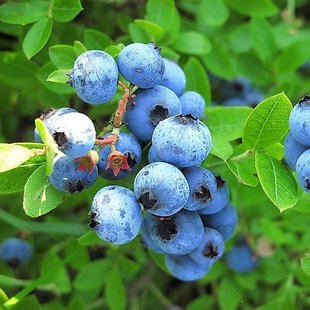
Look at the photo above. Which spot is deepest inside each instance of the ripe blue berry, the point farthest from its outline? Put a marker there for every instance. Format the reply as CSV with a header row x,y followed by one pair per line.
x,y
152,157
94,77
220,198
235,101
224,221
182,140
202,186
174,77
67,178
74,134
151,106
161,188
129,146
241,258
211,248
292,150
115,215
184,268
193,103
299,121
146,234
303,171
15,252
141,64
254,97
177,234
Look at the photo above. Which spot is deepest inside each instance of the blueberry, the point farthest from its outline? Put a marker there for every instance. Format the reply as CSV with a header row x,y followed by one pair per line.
x,y
75,134
224,221
254,97
146,234
303,171
129,146
174,77
186,269
151,106
210,249
182,140
292,150
177,234
202,186
67,178
161,188
193,103
141,64
235,101
15,252
94,77
152,157
115,215
220,198
236,88
49,119
241,258
299,121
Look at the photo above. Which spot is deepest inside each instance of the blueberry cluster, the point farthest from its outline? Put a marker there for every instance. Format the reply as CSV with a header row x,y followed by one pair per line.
x,y
297,142
188,215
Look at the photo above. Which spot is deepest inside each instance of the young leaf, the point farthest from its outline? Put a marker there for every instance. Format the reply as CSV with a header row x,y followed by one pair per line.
x,y
153,31
79,48
96,40
277,181
13,181
59,76
115,291
259,8
23,13
263,40
214,13
196,78
229,294
37,37
11,156
66,10
192,43
40,197
268,122
63,56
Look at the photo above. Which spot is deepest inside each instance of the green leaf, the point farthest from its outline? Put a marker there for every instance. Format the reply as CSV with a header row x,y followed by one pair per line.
x,y
63,56
154,32
79,48
113,50
30,302
259,8
201,302
219,61
159,260
160,12
196,78
268,122
227,122
96,40
214,13
138,34
220,147
263,40
59,76
115,291
23,13
305,264
242,172
13,181
89,238
51,146
11,156
37,37
66,10
293,56
255,70
88,279
40,197
229,294
277,181
192,43
3,298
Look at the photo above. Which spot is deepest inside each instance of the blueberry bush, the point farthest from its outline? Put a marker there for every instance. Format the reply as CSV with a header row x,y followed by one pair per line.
x,y
154,154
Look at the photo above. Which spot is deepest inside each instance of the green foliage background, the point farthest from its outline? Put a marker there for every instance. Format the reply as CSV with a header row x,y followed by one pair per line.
x,y
266,41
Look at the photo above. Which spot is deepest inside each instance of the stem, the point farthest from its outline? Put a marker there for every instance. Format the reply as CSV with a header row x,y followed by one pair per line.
x,y
160,296
50,9
108,140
